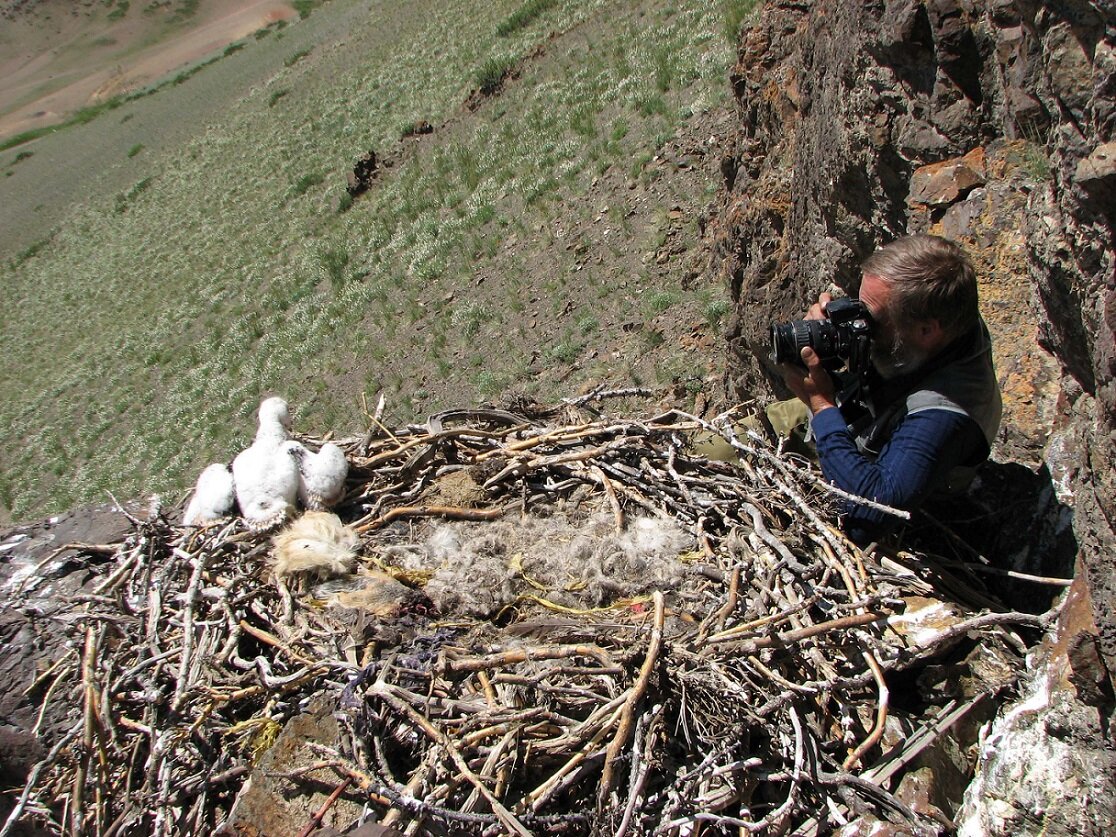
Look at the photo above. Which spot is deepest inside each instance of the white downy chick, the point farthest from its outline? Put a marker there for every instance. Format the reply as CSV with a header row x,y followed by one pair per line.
x,y
214,496
317,544
322,475
266,476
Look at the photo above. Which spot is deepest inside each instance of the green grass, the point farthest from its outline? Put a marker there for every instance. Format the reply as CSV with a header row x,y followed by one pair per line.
x,y
567,351
522,17
91,112
120,10
30,252
125,200
660,301
307,182
294,58
226,274
490,76
734,14
715,311
186,9
305,7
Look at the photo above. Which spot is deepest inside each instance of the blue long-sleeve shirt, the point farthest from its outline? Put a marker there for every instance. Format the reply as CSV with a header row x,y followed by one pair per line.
x,y
921,452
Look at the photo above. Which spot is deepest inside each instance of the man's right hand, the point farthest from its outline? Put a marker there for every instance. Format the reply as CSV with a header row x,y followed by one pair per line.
x,y
813,385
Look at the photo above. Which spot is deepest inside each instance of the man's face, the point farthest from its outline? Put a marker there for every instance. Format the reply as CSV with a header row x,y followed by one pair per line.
x,y
896,347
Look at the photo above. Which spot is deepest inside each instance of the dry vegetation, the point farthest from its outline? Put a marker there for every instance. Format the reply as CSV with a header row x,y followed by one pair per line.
x,y
546,239
749,697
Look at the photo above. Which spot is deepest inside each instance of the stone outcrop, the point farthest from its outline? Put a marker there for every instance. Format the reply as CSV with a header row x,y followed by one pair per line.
x,y
364,171
990,122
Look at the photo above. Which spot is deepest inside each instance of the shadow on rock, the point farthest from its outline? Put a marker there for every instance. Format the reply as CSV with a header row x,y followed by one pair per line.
x,y
1010,520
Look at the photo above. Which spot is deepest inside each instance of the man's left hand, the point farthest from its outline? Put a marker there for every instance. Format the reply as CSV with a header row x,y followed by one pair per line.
x,y
813,385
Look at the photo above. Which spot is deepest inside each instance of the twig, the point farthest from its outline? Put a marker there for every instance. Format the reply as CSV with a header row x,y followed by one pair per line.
x,y
199,563
636,694
384,692
448,512
881,714
618,513
319,815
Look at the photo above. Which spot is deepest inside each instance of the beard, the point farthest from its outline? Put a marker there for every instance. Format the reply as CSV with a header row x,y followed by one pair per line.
x,y
897,357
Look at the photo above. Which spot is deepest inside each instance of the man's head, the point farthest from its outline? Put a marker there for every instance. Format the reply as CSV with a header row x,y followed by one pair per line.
x,y
922,293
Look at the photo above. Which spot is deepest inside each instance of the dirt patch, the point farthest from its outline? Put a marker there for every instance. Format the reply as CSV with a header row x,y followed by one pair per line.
x,y
61,58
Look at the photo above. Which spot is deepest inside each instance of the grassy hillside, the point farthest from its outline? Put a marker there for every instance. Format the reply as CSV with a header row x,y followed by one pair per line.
x,y
545,239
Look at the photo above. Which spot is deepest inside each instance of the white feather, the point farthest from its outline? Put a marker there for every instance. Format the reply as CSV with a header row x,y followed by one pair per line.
x,y
213,498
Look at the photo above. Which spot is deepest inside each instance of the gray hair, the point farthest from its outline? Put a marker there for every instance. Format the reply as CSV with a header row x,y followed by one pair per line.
x,y
931,278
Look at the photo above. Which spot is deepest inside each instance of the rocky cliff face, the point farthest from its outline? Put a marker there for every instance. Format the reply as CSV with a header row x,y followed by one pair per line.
x,y
990,122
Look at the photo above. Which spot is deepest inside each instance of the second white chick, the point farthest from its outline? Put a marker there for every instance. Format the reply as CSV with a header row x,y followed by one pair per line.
x,y
317,545
266,476
321,475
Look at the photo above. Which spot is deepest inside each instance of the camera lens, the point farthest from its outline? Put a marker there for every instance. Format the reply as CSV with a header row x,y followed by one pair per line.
x,y
788,340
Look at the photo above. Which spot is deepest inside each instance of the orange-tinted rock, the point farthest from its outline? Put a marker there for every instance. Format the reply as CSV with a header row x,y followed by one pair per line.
x,y
943,183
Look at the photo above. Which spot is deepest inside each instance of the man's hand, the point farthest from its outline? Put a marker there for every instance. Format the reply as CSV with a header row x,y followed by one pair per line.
x,y
817,310
813,385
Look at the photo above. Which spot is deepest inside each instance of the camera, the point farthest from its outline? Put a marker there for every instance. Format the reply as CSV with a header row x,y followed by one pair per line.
x,y
844,337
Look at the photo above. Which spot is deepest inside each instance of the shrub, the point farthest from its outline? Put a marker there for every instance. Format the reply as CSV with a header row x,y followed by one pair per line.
x,y
469,318
652,105
185,9
306,182
715,312
334,261
124,200
567,351
135,149
276,96
30,252
735,13
660,301
523,16
304,7
489,384
492,73
293,59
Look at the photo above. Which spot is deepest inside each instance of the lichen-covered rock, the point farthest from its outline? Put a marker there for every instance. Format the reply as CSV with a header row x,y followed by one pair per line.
x,y
1045,763
856,120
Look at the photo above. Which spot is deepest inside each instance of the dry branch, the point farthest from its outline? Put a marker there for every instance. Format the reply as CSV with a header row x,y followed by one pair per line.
x,y
719,707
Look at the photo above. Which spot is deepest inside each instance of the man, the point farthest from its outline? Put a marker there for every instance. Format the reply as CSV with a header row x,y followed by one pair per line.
x,y
932,400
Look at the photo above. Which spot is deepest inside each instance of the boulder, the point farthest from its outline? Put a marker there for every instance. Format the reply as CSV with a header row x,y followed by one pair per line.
x,y
943,183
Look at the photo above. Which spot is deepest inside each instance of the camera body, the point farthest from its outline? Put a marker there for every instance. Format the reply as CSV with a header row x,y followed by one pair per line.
x,y
843,338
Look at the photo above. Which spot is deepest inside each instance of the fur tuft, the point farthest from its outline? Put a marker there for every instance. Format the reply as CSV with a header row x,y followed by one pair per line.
x,y
371,591
317,545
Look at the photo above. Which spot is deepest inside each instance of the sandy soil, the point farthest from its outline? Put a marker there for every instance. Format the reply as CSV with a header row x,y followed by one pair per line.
x,y
59,58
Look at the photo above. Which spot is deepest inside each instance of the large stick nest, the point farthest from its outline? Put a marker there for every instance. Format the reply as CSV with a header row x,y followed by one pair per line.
x,y
744,687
